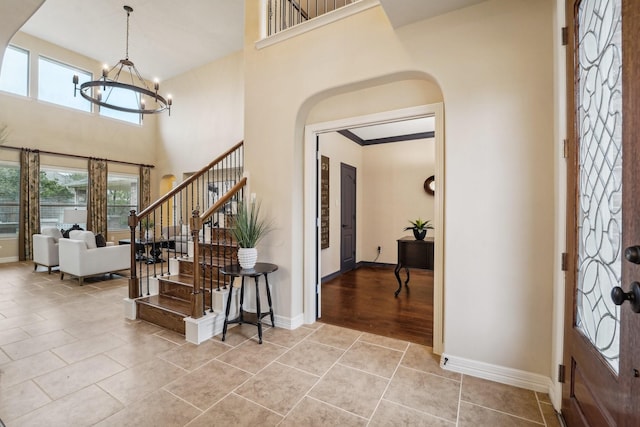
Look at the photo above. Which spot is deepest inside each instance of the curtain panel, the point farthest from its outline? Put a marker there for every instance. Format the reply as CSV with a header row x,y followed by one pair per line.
x,y
29,223
145,187
97,203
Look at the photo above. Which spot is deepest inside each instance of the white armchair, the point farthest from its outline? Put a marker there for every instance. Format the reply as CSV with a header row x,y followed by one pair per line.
x,y
45,248
80,256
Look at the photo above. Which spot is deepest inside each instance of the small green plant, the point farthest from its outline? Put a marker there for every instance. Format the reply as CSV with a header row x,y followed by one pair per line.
x,y
419,225
147,223
249,228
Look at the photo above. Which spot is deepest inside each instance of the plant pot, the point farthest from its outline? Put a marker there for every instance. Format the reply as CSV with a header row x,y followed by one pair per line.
x,y
419,234
247,257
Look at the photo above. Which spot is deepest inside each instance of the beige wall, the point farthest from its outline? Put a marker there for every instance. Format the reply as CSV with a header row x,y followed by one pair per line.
x,y
207,117
393,176
494,65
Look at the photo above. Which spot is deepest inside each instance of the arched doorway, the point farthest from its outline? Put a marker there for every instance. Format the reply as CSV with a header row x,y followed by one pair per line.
x,y
312,230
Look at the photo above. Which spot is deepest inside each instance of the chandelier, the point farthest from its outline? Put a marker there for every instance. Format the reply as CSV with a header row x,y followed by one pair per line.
x,y
110,80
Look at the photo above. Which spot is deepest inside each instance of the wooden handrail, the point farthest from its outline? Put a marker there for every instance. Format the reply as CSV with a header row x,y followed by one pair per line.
x,y
146,211
222,200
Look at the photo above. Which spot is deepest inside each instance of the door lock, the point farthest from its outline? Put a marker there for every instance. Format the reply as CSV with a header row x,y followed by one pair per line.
x,y
633,296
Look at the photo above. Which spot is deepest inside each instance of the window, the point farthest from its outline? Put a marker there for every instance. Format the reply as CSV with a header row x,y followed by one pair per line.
x,y
14,77
122,197
124,98
61,189
9,199
55,84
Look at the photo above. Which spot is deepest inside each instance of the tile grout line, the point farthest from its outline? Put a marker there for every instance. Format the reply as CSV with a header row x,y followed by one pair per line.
x,y
390,379
459,400
505,413
321,377
417,410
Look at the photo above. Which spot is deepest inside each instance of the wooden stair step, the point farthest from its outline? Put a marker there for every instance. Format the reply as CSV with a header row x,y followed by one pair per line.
x,y
215,262
179,286
164,311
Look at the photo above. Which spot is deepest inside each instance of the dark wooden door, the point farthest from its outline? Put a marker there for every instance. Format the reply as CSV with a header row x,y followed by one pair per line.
x,y
347,217
602,344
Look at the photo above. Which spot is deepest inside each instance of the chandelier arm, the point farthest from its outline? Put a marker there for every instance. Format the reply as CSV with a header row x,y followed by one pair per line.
x,y
142,81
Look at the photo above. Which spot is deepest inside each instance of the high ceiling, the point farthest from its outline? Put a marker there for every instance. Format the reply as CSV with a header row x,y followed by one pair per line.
x,y
169,37
166,37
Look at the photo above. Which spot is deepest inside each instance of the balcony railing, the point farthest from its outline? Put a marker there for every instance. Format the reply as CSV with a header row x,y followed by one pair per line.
x,y
283,14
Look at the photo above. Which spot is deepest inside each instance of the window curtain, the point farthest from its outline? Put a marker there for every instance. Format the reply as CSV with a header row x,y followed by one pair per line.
x,y
29,223
97,204
145,187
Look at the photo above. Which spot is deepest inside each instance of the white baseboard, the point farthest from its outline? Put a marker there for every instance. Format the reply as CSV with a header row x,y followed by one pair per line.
x,y
288,322
199,330
9,259
130,309
499,374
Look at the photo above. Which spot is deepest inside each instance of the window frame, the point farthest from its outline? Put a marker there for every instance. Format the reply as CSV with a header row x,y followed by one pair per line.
x,y
81,72
27,52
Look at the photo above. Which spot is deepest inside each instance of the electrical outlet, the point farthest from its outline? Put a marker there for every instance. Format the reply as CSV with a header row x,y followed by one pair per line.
x,y
379,249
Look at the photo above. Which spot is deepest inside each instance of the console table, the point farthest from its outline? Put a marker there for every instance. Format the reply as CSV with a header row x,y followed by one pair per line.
x,y
154,246
260,269
413,253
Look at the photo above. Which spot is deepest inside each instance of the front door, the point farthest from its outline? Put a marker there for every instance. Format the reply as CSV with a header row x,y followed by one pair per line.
x,y
347,217
602,339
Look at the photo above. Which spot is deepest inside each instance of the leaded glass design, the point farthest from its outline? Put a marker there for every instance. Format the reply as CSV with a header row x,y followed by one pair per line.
x,y
600,173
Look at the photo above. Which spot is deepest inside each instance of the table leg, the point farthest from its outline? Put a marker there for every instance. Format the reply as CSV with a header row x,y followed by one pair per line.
x,y
266,279
406,282
397,273
226,315
258,318
241,299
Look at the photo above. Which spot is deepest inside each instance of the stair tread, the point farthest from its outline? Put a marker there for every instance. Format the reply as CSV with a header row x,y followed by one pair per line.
x,y
219,243
214,262
173,305
181,279
184,279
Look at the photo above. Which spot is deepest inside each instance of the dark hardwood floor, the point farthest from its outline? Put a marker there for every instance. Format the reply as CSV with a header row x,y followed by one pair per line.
x,y
363,299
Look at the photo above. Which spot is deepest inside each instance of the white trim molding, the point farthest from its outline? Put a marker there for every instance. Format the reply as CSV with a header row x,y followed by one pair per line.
x,y
287,322
499,374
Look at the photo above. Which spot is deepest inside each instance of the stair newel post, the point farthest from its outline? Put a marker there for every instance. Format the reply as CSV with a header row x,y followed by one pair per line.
x,y
134,281
197,300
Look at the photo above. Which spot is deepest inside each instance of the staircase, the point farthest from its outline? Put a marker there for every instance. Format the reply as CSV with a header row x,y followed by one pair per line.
x,y
173,302
181,288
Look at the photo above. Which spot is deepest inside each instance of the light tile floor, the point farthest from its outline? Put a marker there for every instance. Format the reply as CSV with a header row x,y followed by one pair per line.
x,y
69,358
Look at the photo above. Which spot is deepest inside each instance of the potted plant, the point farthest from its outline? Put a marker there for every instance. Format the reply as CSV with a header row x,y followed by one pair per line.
x,y
248,229
419,228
